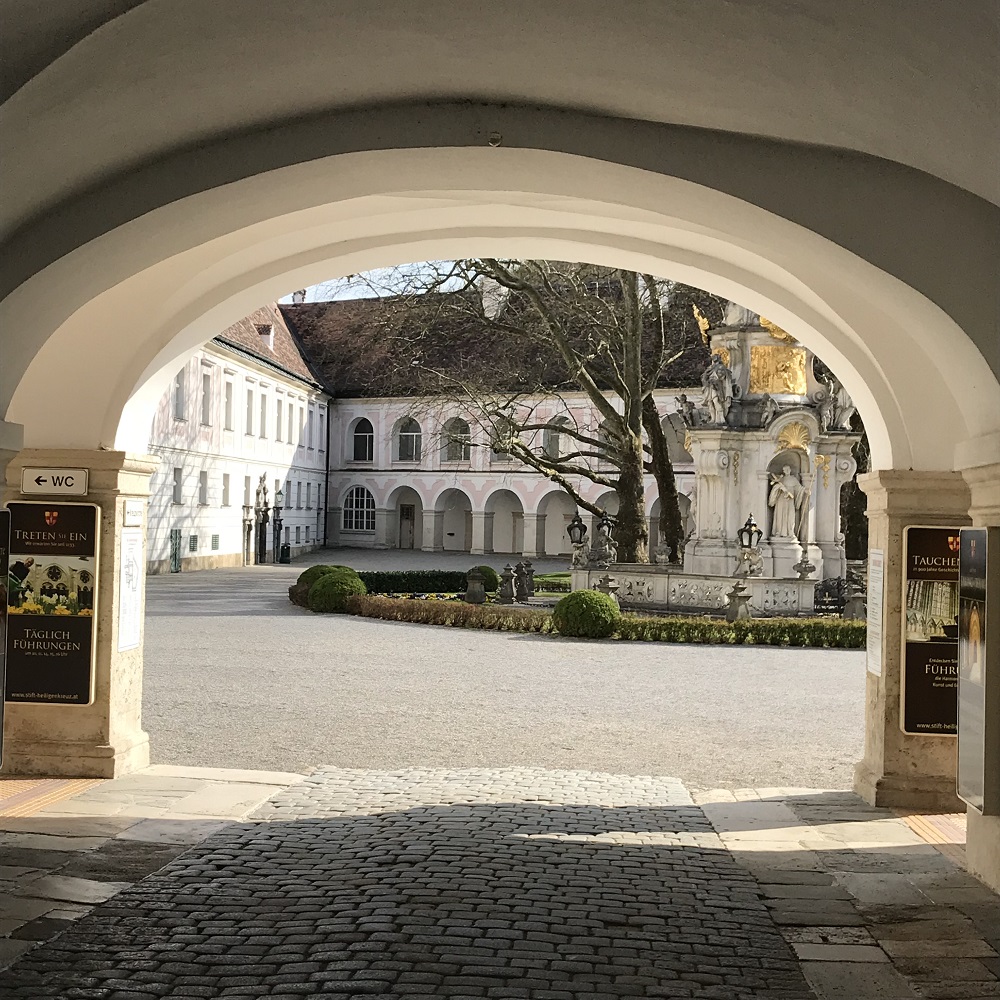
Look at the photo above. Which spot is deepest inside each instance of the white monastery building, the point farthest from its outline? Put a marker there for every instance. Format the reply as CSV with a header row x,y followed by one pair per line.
x,y
244,406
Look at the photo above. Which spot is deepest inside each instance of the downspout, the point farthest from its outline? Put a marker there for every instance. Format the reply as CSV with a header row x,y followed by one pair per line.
x,y
326,482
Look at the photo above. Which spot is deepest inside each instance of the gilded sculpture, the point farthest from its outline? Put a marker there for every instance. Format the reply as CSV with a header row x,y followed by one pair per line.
x,y
778,368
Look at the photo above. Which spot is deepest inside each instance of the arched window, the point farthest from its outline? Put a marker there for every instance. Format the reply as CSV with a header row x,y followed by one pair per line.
x,y
502,435
359,510
364,441
457,441
408,438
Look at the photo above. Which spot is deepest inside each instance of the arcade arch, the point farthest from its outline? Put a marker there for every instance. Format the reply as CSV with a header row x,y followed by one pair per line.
x,y
556,509
406,519
504,528
453,521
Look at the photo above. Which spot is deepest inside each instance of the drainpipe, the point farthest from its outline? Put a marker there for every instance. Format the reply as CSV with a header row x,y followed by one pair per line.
x,y
326,482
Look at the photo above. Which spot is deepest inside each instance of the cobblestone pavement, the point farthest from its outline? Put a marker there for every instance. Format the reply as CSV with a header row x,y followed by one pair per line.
x,y
519,883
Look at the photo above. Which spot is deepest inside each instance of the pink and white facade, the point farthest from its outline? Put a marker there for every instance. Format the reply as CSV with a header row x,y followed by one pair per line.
x,y
399,479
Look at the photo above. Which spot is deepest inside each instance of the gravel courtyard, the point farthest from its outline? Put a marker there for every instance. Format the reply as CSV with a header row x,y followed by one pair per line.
x,y
237,677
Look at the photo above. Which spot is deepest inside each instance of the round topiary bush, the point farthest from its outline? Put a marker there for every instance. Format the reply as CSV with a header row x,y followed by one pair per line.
x,y
311,574
330,592
491,578
587,614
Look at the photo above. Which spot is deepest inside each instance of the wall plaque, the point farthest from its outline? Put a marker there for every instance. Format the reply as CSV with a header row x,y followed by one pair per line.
x,y
52,600
929,683
778,368
979,670
131,569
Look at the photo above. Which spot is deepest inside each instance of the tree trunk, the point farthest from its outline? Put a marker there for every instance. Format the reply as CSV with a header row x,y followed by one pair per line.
x,y
671,529
632,531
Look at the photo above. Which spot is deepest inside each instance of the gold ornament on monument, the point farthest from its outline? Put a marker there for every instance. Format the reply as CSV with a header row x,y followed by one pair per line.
x,y
776,332
777,368
723,353
702,321
823,465
687,440
794,436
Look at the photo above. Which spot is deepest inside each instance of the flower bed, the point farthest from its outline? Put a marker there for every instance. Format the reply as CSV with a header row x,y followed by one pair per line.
x,y
813,632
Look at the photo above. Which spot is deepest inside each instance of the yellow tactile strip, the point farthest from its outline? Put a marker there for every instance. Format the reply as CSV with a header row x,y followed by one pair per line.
x,y
25,797
946,831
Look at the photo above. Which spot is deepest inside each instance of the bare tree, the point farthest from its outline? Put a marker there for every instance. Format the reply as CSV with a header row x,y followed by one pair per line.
x,y
508,337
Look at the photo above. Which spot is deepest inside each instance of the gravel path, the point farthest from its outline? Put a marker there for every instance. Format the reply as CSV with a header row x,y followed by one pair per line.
x,y
237,677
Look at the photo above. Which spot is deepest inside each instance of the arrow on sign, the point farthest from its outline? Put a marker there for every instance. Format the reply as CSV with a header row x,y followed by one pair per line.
x,y
39,480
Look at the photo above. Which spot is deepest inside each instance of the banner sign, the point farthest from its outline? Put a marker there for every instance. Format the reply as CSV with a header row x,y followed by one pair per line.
x,y
979,670
929,695
876,597
51,598
4,549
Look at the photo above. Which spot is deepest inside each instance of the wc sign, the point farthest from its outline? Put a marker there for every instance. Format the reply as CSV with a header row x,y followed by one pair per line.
x,y
55,482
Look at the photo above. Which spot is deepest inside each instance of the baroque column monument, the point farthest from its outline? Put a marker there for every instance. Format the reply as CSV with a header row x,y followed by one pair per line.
x,y
769,438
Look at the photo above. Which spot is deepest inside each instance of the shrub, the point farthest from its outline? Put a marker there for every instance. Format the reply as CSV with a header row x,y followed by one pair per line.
x,y
491,578
495,617
814,632
587,614
331,590
554,583
310,575
414,581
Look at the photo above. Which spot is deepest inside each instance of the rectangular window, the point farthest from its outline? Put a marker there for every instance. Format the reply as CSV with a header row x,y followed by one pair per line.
x,y
309,496
278,409
307,534
291,413
322,430
246,492
298,534
178,495
263,414
192,543
228,406
298,494
302,426
215,543
310,421
225,489
288,494
288,535
203,488
180,403
206,398
249,427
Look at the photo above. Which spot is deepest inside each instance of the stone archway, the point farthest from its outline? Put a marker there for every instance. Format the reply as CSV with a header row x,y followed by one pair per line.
x,y
504,528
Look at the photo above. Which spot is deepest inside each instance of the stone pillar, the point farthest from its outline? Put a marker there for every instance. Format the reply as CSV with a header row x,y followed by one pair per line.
x,y
983,844
11,442
534,536
897,770
432,539
479,532
383,528
104,739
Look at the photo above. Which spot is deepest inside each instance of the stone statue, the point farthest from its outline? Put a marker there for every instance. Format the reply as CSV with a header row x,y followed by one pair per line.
x,y
769,412
717,381
604,551
687,411
739,316
786,498
262,492
825,410
844,407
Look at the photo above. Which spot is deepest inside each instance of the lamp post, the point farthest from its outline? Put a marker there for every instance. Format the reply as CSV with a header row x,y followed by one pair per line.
x,y
749,562
279,499
577,532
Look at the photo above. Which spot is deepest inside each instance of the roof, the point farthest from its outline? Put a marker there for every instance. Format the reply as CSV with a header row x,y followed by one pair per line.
x,y
281,353
353,352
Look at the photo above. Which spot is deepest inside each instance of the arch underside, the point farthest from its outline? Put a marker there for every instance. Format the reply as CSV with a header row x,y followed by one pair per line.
x,y
137,309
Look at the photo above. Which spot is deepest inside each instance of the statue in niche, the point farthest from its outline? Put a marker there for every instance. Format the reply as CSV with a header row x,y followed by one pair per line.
x,y
825,411
769,411
786,499
717,382
844,407
687,411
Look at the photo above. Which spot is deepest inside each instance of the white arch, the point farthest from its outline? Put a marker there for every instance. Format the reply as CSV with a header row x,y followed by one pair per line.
x,y
173,278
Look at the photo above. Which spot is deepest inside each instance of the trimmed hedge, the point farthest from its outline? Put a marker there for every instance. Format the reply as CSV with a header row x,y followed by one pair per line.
x,y
330,592
587,614
491,578
312,573
814,632
413,581
553,583
457,614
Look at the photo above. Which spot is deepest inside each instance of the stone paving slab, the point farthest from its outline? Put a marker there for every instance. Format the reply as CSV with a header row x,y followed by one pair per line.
x,y
521,883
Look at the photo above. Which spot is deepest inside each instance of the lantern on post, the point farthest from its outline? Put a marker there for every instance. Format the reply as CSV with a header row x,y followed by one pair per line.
x,y
750,561
749,535
576,529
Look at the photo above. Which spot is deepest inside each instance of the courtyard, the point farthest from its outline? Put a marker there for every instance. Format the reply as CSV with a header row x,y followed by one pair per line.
x,y
238,677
